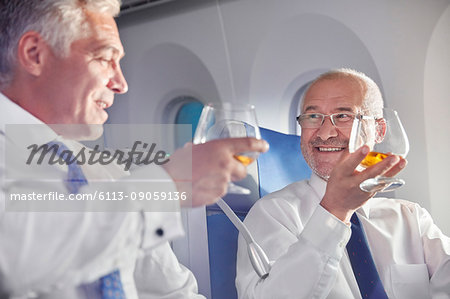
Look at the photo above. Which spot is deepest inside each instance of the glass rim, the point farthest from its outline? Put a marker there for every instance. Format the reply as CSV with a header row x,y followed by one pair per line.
x,y
230,106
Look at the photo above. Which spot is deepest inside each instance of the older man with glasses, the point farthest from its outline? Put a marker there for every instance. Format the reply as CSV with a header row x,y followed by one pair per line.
x,y
325,236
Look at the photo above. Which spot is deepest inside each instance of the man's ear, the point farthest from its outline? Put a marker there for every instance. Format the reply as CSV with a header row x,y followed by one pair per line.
x,y
31,52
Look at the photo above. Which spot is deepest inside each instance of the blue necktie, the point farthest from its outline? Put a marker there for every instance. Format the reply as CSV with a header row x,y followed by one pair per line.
x,y
110,285
75,177
364,269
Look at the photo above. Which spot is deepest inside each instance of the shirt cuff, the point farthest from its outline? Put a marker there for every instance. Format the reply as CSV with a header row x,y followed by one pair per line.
x,y
160,227
327,232
161,222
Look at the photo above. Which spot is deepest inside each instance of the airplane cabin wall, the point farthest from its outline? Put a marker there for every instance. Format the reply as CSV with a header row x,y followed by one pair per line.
x,y
276,46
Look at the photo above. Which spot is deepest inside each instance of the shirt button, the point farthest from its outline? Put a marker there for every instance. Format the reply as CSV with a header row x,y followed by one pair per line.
x,y
159,232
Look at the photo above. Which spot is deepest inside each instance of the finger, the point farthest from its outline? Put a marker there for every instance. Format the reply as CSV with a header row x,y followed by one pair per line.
x,y
208,190
247,144
205,196
354,159
396,168
239,171
381,167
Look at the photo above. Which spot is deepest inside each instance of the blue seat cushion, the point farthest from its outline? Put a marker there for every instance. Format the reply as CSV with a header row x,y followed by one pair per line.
x,y
282,164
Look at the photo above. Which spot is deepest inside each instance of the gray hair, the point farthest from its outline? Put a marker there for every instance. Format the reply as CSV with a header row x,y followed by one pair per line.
x,y
373,100
60,22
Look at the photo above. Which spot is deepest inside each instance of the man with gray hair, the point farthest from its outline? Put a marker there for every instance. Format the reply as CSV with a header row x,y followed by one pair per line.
x,y
59,64
326,237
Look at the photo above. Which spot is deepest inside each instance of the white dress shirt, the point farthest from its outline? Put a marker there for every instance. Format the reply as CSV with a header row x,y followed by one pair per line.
x,y
52,254
308,247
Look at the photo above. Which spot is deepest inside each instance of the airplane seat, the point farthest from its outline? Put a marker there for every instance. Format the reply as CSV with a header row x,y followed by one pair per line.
x,y
280,166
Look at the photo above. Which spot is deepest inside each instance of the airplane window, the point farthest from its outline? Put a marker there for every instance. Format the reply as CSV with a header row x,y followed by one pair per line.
x,y
295,109
188,113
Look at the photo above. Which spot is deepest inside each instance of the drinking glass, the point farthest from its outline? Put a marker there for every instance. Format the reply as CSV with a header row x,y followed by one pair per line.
x,y
229,120
385,136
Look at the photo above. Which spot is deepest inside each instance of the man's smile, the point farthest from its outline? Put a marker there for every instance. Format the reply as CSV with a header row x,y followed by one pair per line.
x,y
329,149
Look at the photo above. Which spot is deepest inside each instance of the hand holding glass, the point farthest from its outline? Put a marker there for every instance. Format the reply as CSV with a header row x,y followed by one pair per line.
x,y
229,120
385,136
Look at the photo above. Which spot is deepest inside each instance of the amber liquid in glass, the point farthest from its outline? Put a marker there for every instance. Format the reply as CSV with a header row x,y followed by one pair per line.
x,y
373,158
244,159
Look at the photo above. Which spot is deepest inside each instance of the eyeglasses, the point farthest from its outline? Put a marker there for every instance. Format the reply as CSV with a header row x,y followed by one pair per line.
x,y
339,120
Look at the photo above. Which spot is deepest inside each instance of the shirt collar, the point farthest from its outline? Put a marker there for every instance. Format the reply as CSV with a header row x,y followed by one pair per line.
x,y
14,114
365,209
320,185
21,126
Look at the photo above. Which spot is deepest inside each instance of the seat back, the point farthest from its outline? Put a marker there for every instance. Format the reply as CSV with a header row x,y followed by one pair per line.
x,y
281,165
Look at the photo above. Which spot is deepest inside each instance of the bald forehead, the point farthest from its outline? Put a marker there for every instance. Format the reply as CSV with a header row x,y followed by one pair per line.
x,y
343,78
334,88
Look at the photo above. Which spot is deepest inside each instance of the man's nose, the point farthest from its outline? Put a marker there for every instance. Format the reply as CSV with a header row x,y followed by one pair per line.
x,y
117,83
327,129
